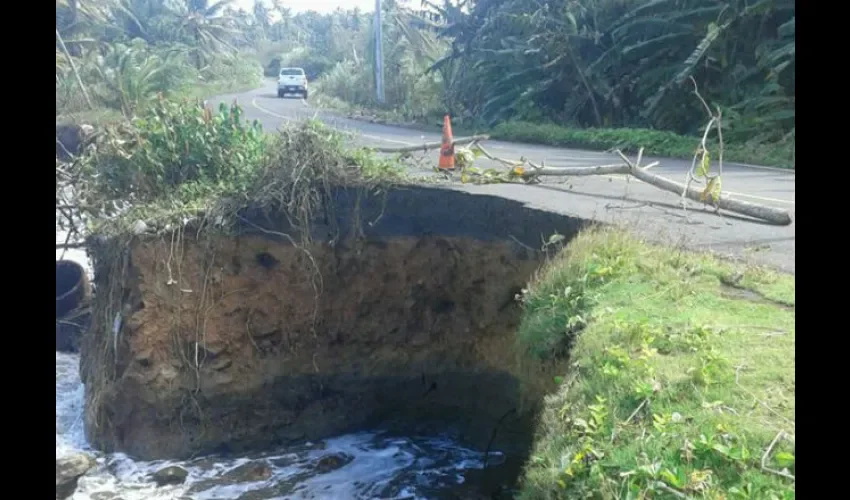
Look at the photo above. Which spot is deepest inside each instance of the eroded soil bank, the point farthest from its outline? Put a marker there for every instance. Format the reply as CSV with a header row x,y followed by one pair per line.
x,y
401,313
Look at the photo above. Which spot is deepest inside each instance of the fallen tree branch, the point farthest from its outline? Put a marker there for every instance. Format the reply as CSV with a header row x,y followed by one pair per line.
x,y
432,145
711,195
510,163
579,171
769,214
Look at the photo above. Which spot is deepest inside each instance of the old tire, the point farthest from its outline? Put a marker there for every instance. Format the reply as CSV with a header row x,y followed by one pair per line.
x,y
72,287
72,291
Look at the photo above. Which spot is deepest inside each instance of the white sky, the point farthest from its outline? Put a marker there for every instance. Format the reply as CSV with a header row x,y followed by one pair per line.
x,y
323,6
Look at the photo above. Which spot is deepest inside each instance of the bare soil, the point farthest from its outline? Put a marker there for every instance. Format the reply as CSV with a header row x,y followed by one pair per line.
x,y
239,343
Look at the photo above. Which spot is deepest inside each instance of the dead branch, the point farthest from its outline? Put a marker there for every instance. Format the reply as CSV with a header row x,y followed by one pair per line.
x,y
766,456
762,212
711,195
676,493
642,404
69,246
510,163
579,171
432,145
769,214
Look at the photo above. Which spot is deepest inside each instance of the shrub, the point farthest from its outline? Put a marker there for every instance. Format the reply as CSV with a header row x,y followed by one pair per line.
x,y
233,71
175,148
127,76
314,65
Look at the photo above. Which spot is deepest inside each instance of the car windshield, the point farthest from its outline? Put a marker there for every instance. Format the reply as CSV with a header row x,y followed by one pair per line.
x,y
291,72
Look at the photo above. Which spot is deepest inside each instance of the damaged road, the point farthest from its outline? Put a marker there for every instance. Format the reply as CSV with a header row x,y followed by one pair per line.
x,y
611,199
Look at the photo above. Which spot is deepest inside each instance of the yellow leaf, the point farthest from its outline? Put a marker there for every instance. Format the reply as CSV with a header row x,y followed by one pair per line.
x,y
712,189
518,171
705,164
464,178
715,193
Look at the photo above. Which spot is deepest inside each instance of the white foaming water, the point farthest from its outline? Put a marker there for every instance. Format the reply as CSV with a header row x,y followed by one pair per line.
x,y
354,466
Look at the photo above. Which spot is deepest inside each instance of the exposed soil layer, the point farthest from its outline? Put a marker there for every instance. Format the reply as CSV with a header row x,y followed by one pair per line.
x,y
235,342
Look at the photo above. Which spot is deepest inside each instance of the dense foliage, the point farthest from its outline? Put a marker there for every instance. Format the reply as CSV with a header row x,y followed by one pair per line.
x,y
176,159
119,54
588,63
628,62
174,149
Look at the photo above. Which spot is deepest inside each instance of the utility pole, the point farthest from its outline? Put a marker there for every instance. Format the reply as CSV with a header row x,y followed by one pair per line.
x,y
379,56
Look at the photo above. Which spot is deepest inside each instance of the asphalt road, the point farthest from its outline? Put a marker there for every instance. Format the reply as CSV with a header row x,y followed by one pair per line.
x,y
651,212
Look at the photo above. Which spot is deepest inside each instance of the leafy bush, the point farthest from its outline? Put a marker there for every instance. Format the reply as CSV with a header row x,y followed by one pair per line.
x,y
349,83
314,64
127,76
234,71
175,148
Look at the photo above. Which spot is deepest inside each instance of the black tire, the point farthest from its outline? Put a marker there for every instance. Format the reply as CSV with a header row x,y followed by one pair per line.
x,y
280,94
305,95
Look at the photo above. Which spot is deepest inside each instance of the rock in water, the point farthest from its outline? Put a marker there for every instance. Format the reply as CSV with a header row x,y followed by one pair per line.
x,y
68,471
332,462
250,472
169,475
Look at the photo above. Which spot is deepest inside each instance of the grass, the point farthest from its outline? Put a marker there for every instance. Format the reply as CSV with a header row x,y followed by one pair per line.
x,y
630,140
678,382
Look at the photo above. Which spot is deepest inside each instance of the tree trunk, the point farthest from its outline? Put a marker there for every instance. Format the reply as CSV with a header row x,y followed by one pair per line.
x,y
74,69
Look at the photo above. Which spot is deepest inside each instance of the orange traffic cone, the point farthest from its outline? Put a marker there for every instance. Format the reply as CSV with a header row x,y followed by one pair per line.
x,y
447,149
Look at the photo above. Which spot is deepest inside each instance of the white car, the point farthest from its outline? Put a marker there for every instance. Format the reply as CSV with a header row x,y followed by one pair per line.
x,y
292,81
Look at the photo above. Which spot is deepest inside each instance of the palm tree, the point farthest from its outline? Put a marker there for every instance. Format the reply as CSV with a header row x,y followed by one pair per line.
x,y
205,25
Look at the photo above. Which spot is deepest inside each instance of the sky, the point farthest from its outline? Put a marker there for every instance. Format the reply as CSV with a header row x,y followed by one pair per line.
x,y
323,6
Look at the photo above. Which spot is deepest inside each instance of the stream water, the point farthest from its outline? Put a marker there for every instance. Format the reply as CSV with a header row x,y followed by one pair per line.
x,y
367,465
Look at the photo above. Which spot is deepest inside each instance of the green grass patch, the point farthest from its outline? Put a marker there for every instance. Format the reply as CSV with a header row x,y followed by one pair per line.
x,y
630,140
682,374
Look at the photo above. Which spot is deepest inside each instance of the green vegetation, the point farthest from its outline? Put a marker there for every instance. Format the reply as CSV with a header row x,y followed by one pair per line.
x,y
621,67
682,374
176,159
114,57
655,142
682,371
595,74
